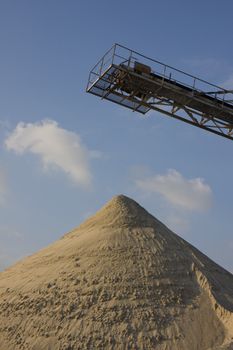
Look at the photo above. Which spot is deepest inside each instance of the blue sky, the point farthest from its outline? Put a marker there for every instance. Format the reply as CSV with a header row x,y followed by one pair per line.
x,y
64,152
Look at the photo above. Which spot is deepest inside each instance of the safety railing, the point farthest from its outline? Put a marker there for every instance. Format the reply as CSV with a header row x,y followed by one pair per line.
x,y
119,54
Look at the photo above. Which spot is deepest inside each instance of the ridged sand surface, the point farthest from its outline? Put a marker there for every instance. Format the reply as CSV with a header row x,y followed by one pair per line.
x,y
121,280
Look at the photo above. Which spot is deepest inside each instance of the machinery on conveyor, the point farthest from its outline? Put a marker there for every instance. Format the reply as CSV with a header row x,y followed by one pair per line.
x,y
140,83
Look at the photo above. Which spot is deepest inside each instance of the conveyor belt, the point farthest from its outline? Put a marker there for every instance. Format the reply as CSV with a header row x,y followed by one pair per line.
x,y
154,84
137,82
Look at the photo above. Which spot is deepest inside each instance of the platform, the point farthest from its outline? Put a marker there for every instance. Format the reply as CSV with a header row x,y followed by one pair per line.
x,y
141,84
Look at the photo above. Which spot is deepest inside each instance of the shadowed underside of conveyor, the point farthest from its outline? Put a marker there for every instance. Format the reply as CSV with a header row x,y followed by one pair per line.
x,y
142,84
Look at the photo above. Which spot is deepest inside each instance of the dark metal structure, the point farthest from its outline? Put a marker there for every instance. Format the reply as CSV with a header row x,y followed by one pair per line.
x,y
140,83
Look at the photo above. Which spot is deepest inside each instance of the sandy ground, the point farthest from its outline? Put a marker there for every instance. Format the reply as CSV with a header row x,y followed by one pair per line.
x,y
121,280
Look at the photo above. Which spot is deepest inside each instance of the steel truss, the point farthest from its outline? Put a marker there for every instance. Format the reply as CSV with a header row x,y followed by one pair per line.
x,y
142,84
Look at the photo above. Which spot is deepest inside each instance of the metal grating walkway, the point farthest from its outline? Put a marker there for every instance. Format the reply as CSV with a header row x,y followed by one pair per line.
x,y
142,84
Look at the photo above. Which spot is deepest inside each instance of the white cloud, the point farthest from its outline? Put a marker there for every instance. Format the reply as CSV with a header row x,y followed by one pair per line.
x,y
55,146
190,194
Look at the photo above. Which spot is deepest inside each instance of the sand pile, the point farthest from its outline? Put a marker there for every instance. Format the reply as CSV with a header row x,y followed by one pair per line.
x,y
122,280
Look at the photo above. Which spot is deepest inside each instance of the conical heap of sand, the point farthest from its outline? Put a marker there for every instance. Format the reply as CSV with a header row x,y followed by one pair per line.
x,y
122,280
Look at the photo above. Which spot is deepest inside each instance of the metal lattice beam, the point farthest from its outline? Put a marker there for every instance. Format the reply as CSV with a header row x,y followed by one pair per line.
x,y
142,84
